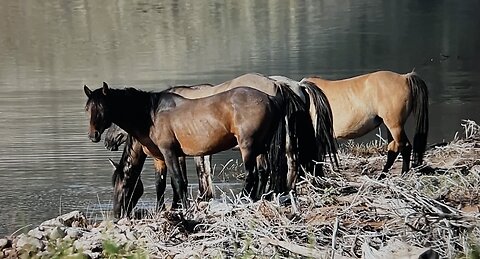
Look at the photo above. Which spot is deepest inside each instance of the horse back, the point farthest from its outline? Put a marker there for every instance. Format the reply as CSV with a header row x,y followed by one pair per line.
x,y
253,80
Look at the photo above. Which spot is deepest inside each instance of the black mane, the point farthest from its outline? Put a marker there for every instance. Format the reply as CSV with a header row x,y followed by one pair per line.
x,y
130,108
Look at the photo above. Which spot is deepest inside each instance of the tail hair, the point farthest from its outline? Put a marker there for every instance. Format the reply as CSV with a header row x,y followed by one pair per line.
x,y
420,109
323,122
277,158
296,125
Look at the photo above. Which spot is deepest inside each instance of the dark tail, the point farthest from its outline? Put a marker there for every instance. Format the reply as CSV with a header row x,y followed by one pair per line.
x,y
323,121
277,158
293,146
420,108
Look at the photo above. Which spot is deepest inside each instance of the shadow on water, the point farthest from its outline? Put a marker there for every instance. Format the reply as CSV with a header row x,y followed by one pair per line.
x,y
50,49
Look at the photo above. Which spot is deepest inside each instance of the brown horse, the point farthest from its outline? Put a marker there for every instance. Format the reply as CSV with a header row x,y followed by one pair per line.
x,y
360,104
243,116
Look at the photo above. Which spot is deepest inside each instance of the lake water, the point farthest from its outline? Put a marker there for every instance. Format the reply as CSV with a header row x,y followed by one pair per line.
x,y
50,49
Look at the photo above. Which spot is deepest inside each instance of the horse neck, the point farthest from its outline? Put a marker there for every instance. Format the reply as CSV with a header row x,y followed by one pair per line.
x,y
133,154
131,111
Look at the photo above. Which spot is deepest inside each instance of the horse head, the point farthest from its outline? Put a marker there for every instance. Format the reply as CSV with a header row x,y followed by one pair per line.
x,y
127,190
114,137
97,110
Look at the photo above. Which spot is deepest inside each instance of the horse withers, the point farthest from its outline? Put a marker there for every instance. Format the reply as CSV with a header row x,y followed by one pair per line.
x,y
360,104
243,116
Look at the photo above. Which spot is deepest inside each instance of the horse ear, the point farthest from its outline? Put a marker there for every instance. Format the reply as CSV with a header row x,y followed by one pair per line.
x,y
105,88
87,91
115,165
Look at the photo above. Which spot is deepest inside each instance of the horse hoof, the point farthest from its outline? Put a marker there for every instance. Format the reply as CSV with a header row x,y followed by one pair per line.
x,y
284,200
381,176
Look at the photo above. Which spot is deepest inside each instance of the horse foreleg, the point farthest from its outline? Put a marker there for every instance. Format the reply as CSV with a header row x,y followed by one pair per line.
x,y
251,179
204,172
160,183
178,183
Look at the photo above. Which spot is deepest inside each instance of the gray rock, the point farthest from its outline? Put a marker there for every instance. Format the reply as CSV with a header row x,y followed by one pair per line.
x,y
73,233
23,241
36,233
5,243
52,223
57,233
92,243
83,245
73,218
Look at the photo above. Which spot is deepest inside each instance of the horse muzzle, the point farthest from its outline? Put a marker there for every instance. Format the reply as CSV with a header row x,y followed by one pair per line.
x,y
95,136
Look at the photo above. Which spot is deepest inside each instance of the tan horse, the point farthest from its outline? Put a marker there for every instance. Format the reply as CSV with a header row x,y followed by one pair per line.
x,y
360,104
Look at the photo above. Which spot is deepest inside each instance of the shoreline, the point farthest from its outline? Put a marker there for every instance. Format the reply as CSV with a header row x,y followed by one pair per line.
x,y
433,209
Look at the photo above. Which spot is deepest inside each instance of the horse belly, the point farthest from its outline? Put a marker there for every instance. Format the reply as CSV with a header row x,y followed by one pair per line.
x,y
354,127
207,144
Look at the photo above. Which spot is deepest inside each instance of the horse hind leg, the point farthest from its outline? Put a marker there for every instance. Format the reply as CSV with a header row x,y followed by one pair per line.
x,y
398,143
406,153
251,180
204,172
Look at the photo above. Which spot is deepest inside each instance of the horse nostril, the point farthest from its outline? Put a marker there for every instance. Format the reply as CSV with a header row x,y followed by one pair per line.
x,y
96,134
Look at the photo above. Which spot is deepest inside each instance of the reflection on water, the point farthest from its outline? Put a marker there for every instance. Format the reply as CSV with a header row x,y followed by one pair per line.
x,y
49,49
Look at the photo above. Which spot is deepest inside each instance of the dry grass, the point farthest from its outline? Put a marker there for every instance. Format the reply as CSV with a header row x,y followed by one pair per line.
x,y
345,213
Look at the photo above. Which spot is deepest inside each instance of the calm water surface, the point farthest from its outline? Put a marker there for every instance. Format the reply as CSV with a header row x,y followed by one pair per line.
x,y
50,49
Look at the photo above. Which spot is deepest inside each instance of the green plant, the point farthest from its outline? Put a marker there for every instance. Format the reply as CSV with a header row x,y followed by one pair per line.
x,y
113,250
63,248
